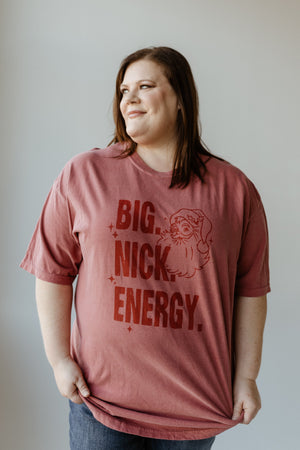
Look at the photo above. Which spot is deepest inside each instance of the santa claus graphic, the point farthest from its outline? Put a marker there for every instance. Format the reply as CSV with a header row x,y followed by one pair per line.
x,y
188,238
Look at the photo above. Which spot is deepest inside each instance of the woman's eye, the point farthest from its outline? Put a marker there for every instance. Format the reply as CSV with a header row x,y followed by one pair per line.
x,y
142,86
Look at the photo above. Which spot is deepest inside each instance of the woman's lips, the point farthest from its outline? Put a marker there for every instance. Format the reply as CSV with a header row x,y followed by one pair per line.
x,y
135,113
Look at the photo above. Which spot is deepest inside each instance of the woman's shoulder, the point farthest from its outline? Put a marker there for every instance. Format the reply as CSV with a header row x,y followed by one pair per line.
x,y
97,153
227,176
80,165
220,168
100,157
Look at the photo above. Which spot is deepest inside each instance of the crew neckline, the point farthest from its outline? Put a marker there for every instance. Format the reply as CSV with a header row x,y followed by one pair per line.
x,y
140,164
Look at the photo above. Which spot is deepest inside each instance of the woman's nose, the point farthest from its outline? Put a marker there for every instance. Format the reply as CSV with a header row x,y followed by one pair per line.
x,y
132,97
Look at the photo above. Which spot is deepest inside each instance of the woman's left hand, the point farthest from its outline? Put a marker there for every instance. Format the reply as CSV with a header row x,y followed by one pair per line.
x,y
246,399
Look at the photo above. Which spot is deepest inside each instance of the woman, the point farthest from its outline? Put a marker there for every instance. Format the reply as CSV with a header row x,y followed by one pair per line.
x,y
171,251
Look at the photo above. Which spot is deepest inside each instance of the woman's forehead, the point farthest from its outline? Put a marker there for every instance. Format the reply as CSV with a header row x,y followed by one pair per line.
x,y
144,69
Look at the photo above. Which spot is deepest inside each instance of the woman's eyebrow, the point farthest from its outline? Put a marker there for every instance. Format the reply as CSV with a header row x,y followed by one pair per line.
x,y
138,81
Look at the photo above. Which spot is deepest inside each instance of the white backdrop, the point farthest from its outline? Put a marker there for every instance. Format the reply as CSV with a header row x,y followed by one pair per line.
x,y
58,65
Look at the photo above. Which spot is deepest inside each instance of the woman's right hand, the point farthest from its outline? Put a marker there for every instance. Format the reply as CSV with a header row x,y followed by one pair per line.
x,y
70,380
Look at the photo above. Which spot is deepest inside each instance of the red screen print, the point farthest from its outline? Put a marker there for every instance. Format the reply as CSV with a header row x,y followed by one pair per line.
x,y
180,250
188,238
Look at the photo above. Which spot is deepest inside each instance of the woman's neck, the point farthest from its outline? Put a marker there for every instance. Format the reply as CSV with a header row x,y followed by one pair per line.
x,y
160,159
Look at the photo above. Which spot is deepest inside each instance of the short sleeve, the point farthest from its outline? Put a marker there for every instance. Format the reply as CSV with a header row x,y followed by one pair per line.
x,y
54,252
253,263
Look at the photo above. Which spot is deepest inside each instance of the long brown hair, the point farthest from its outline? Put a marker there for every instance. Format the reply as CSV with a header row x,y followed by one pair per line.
x,y
187,159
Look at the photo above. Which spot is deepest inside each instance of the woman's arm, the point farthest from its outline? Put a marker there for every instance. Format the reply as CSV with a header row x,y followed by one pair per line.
x,y
54,303
249,322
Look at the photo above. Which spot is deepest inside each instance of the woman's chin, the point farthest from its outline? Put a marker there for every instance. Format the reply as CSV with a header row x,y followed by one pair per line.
x,y
135,135
133,131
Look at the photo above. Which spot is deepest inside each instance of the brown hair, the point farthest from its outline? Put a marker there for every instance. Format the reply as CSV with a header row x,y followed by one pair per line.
x,y
189,144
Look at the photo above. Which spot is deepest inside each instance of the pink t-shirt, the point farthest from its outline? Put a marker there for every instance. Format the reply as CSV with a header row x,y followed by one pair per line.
x,y
158,270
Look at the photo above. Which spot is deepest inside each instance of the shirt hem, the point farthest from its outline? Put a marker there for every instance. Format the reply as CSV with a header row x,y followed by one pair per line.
x,y
253,292
45,276
157,432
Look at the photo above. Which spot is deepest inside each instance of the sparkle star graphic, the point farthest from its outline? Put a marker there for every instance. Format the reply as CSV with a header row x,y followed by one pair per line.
x,y
111,227
111,278
129,329
115,234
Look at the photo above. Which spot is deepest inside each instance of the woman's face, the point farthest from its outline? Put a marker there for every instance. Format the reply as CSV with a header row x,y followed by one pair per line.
x,y
149,104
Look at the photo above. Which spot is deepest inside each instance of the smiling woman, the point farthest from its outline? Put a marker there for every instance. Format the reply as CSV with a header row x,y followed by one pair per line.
x,y
169,71
170,247
150,107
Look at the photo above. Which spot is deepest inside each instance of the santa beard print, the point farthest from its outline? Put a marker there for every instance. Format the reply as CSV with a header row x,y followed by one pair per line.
x,y
188,238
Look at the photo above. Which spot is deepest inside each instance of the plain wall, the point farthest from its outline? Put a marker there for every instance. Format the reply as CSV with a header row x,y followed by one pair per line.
x,y
58,64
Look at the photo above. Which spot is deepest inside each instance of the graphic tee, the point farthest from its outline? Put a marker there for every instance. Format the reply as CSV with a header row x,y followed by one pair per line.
x,y
157,271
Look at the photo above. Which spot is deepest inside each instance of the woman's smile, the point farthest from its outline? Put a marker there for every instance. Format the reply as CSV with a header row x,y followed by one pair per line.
x,y
135,113
148,96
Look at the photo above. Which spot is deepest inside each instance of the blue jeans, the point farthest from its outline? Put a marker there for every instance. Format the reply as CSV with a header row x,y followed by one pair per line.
x,y
87,433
